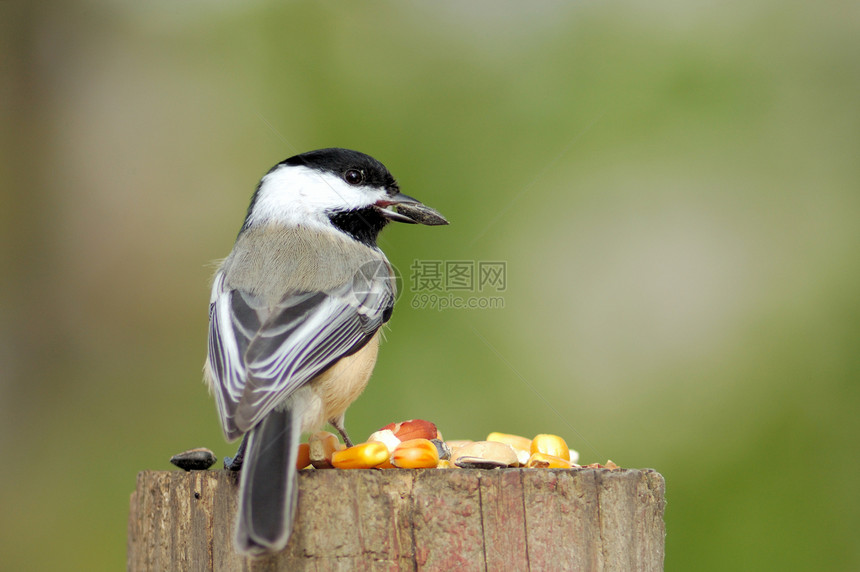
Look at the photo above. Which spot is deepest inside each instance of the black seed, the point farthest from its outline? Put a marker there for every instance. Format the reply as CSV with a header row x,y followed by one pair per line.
x,y
422,214
194,460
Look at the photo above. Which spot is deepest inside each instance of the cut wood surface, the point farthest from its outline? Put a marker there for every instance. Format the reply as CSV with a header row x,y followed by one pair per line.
x,y
433,519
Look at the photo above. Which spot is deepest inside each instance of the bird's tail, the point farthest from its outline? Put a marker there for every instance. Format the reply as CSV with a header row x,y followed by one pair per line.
x,y
268,486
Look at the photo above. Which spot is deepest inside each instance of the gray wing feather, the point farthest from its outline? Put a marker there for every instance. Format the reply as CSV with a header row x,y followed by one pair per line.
x,y
260,354
226,359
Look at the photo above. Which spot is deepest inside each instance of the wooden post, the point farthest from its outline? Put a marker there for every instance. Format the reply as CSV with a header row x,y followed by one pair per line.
x,y
433,519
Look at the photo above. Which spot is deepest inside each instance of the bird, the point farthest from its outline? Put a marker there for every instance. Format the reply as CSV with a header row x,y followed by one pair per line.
x,y
295,315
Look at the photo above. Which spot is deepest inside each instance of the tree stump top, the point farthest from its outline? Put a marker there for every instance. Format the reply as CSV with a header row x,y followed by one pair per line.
x,y
399,519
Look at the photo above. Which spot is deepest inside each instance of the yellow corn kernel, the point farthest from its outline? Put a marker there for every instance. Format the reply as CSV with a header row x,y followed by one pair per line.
x,y
304,457
321,446
514,441
544,461
415,454
550,445
364,456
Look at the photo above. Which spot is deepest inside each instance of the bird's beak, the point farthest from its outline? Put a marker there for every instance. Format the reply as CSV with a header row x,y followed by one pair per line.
x,y
403,208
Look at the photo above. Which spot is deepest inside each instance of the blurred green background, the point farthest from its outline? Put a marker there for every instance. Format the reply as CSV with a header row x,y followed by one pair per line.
x,y
673,187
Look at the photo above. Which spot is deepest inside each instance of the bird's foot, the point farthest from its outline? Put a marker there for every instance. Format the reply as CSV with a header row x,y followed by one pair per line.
x,y
234,463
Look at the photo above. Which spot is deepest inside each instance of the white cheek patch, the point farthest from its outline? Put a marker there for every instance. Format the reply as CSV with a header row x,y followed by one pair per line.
x,y
293,195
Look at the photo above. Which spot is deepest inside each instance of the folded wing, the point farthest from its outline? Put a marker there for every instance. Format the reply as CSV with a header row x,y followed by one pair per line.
x,y
260,354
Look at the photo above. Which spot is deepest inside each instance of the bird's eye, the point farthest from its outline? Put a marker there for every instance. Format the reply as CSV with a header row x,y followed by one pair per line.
x,y
353,176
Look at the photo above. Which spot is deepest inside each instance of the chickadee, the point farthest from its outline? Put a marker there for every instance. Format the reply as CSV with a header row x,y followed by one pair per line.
x,y
294,320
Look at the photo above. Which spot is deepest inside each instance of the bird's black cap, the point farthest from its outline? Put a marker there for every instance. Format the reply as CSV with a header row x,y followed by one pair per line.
x,y
340,161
